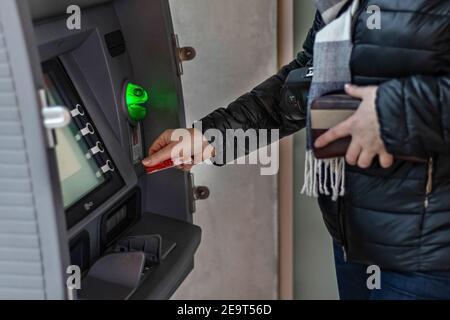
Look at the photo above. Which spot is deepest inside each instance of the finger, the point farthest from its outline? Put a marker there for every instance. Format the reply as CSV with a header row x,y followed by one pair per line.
x,y
187,160
208,152
342,130
162,141
365,159
184,167
353,153
355,91
187,167
162,155
386,160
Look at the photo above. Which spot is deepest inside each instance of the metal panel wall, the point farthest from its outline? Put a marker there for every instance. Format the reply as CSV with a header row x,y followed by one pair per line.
x,y
236,44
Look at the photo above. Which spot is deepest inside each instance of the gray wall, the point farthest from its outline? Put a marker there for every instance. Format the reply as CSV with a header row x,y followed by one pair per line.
x,y
236,44
314,267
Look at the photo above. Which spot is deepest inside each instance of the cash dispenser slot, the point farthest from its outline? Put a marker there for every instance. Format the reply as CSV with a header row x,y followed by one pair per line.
x,y
149,262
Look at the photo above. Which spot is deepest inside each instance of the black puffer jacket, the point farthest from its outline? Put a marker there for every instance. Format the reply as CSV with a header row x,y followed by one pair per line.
x,y
397,218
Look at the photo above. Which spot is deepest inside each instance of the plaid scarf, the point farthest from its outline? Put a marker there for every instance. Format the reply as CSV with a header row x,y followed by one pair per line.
x,y
332,52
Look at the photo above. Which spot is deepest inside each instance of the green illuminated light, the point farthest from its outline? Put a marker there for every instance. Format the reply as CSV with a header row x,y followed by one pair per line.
x,y
135,97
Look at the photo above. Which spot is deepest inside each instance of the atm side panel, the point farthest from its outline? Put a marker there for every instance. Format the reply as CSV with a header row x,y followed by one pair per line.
x,y
33,246
151,46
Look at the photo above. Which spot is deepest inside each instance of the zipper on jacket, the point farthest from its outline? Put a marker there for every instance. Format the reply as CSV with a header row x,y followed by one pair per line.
x,y
344,251
342,229
429,184
359,11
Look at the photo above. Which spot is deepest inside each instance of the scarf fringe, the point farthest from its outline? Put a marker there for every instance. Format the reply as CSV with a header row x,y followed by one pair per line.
x,y
325,177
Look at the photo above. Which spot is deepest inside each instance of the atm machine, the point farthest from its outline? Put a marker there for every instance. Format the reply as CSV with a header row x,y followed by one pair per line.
x,y
79,108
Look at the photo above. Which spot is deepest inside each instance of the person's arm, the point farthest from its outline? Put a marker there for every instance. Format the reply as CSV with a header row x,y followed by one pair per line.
x,y
407,117
260,108
414,115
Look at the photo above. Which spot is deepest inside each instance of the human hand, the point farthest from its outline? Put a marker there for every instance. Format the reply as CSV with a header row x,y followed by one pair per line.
x,y
185,147
364,129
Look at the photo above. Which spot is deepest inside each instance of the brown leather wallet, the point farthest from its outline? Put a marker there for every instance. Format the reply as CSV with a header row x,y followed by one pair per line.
x,y
326,113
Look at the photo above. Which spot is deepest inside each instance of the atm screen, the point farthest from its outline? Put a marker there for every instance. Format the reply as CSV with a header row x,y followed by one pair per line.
x,y
88,176
78,172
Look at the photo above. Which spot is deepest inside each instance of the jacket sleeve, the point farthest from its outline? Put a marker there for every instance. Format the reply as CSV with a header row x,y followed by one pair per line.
x,y
414,115
259,109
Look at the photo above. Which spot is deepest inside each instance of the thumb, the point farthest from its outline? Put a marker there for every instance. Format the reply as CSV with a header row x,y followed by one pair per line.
x,y
354,91
340,131
160,156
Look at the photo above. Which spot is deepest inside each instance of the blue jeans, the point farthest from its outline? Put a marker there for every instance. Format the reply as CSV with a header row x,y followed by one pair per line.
x,y
352,283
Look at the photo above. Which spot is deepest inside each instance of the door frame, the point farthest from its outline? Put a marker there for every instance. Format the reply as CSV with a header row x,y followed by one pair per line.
x,y
285,35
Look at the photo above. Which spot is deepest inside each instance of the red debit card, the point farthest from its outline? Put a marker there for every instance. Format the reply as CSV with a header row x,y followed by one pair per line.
x,y
160,167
